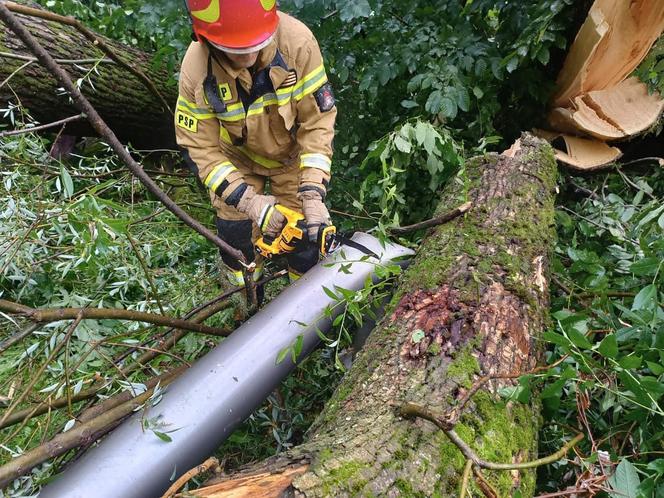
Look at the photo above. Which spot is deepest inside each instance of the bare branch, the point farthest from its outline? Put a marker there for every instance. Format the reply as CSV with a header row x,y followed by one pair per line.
x,y
42,127
439,220
411,410
210,463
79,435
57,314
16,338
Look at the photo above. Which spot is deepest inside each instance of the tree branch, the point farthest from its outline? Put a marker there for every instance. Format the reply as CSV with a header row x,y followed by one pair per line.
x,y
411,410
42,127
210,463
79,435
434,222
27,58
18,337
37,375
57,314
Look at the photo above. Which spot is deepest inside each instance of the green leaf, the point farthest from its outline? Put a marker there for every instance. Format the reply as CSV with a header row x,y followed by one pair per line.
x,y
409,104
330,294
67,182
512,64
417,336
578,338
163,436
630,362
655,368
402,144
434,102
352,9
646,299
297,348
609,346
448,107
556,338
625,481
553,390
645,267
657,466
282,355
463,99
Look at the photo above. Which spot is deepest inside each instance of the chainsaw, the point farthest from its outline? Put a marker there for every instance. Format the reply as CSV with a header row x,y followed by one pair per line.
x,y
293,238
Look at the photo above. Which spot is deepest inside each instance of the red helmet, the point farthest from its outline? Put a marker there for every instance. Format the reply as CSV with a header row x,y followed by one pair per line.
x,y
237,26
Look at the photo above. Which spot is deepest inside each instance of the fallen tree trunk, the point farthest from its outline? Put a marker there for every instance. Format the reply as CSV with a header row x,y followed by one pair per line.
x,y
123,100
473,303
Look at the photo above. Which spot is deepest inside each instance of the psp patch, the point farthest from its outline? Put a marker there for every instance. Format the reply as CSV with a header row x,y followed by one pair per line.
x,y
325,98
225,92
186,121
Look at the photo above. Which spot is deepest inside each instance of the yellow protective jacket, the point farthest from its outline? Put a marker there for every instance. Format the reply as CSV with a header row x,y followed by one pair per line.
x,y
278,118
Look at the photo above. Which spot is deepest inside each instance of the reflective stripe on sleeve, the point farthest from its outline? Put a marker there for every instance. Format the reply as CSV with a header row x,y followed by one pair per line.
x,y
218,175
318,161
310,83
198,112
234,112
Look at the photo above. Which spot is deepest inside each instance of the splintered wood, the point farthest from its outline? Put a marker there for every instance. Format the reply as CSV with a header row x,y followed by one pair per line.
x,y
596,98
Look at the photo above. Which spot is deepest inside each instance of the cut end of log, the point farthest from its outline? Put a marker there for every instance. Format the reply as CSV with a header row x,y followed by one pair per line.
x,y
617,113
596,98
583,154
615,38
263,485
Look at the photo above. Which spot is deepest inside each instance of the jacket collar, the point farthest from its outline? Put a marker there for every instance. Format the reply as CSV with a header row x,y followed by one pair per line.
x,y
265,57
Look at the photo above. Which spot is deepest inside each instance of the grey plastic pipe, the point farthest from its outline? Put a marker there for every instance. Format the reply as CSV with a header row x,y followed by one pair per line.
x,y
220,391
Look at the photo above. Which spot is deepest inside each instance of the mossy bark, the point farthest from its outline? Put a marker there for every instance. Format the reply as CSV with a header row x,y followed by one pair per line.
x,y
478,290
123,101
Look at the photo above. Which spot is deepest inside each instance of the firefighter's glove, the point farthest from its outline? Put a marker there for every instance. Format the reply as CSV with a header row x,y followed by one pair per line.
x,y
315,213
260,209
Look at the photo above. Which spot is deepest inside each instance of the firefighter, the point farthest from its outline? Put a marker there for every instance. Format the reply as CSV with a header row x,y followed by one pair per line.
x,y
255,110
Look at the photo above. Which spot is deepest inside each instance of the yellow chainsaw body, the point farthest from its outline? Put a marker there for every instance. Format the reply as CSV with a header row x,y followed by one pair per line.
x,y
289,238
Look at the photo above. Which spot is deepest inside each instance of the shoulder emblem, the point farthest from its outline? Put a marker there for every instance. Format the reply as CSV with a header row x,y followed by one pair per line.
x,y
325,98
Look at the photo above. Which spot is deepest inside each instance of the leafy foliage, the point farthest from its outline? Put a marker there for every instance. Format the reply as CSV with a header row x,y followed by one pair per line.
x,y
651,69
609,328
403,173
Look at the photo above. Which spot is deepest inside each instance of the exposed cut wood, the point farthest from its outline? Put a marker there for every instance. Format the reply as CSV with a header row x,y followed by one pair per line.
x,y
620,112
615,38
584,154
596,98
261,485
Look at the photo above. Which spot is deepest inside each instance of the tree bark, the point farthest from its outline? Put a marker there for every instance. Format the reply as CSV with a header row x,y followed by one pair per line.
x,y
473,303
135,114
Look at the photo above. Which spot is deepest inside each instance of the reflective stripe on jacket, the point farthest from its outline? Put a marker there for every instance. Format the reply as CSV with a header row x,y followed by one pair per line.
x,y
271,119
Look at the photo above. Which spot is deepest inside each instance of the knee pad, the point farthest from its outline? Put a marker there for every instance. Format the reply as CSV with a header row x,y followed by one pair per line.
x,y
237,233
302,261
